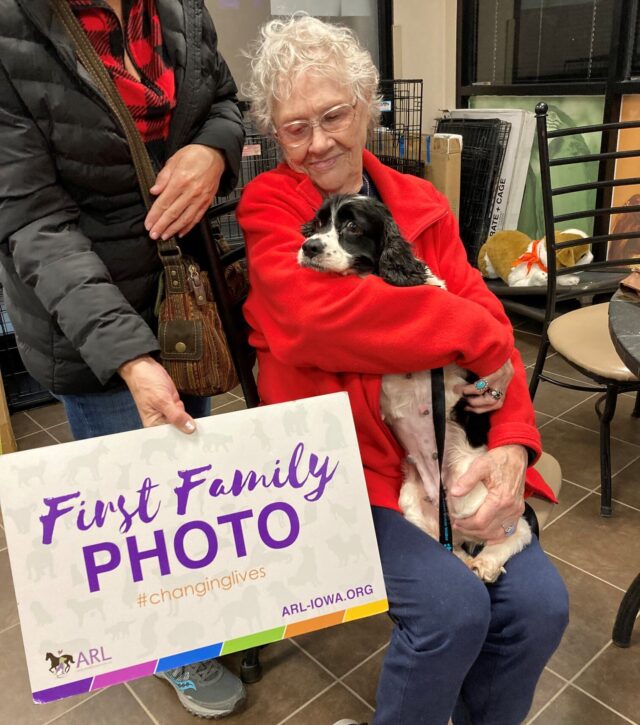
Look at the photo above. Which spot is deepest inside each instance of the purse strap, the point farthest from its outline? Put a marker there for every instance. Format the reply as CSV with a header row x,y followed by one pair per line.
x,y
167,249
439,423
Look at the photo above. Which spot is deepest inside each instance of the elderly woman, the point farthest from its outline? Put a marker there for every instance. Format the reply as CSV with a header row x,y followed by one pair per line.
x,y
460,648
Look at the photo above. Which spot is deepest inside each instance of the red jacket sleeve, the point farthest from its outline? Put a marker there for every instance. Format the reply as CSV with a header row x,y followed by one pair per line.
x,y
515,421
345,323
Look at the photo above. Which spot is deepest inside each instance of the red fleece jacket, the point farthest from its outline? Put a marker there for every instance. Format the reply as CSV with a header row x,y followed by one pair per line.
x,y
321,333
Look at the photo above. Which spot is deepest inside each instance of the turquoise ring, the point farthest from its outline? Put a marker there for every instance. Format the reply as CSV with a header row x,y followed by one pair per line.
x,y
481,385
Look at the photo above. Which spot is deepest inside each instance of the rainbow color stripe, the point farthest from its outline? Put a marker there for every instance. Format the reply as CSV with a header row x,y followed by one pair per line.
x,y
145,669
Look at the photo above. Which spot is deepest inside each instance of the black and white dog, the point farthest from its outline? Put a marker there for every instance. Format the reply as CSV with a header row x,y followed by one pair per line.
x,y
353,234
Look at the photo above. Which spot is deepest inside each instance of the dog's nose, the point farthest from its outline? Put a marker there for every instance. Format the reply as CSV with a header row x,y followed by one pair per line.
x,y
312,247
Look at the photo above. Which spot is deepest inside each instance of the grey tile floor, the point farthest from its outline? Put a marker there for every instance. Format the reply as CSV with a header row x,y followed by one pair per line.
x,y
322,677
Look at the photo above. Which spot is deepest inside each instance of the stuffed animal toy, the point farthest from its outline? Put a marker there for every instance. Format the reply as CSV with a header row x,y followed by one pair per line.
x,y
522,262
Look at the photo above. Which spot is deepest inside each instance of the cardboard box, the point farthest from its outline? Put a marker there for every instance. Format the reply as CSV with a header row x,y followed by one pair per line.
x,y
7,439
442,168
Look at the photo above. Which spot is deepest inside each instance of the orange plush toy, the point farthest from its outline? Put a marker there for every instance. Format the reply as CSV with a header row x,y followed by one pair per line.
x,y
522,262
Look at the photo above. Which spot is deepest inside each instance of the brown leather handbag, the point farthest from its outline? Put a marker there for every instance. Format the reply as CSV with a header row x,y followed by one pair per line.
x,y
193,347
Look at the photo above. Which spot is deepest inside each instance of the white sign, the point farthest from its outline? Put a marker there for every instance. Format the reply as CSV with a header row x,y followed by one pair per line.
x,y
139,552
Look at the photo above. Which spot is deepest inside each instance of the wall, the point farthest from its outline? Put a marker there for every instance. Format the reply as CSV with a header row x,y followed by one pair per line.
x,y
424,37
237,22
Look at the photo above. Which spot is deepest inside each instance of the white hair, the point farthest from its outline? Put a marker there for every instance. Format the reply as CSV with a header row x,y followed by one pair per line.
x,y
288,48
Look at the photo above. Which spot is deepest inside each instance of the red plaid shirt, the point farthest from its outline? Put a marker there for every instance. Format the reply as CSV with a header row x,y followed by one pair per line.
x,y
151,99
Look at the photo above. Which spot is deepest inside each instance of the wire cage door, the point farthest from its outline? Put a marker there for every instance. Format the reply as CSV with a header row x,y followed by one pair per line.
x,y
397,140
260,153
21,390
483,149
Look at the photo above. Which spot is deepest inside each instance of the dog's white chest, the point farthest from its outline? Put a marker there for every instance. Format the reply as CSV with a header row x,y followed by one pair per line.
x,y
405,405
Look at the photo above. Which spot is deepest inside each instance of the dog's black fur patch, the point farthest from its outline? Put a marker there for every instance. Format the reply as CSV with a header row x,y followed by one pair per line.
x,y
475,425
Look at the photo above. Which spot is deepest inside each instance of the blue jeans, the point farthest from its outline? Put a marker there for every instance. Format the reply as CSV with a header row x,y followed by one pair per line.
x,y
113,411
460,648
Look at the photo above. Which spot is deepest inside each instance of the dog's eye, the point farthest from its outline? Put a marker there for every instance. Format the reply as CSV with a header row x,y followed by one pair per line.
x,y
352,227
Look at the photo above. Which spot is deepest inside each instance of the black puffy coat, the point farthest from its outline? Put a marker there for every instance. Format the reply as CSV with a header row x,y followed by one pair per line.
x,y
79,271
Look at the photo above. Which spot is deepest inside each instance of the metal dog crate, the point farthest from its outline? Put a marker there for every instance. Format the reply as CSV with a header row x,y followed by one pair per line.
x,y
397,141
484,142
21,390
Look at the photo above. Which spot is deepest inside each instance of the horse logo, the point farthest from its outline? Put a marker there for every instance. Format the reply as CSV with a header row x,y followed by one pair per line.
x,y
61,664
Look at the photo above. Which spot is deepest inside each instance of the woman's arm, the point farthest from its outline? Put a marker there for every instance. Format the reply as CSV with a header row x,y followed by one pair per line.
x,y
39,228
209,164
514,421
345,323
447,256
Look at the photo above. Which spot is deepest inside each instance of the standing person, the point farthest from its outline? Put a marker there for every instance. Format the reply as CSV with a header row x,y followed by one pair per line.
x,y
459,648
79,260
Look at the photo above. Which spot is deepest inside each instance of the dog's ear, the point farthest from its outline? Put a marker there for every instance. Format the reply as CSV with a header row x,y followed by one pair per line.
x,y
397,265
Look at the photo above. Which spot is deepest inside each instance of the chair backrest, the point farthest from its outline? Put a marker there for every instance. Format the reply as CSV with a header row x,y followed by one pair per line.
x,y
220,256
584,201
615,210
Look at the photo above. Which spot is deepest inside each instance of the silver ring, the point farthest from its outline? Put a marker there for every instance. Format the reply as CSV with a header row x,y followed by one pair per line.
x,y
495,394
481,385
510,529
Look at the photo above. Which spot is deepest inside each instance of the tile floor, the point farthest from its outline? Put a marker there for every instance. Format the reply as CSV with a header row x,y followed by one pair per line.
x,y
322,677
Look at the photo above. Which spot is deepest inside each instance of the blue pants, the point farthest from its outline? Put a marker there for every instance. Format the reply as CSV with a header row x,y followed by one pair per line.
x,y
113,411
460,648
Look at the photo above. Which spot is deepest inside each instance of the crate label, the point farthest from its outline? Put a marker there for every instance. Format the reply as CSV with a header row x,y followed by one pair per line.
x,y
253,149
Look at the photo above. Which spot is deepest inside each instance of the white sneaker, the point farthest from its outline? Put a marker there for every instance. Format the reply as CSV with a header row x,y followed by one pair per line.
x,y
348,722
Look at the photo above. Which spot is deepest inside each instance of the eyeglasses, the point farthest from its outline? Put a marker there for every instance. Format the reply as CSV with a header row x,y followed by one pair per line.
x,y
297,133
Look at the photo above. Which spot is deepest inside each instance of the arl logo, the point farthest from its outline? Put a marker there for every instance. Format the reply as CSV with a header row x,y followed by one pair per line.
x,y
60,664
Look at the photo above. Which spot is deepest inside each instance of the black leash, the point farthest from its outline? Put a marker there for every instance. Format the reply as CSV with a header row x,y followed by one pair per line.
x,y
439,424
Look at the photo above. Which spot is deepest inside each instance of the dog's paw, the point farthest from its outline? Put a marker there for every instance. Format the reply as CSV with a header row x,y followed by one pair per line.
x,y
463,556
486,568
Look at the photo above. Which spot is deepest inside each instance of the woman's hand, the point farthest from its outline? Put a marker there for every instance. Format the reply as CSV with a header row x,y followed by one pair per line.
x,y
491,396
502,470
154,394
185,188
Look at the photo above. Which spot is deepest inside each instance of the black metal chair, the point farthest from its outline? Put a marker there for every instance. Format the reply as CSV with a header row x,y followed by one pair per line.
x,y
627,614
218,258
581,336
531,302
